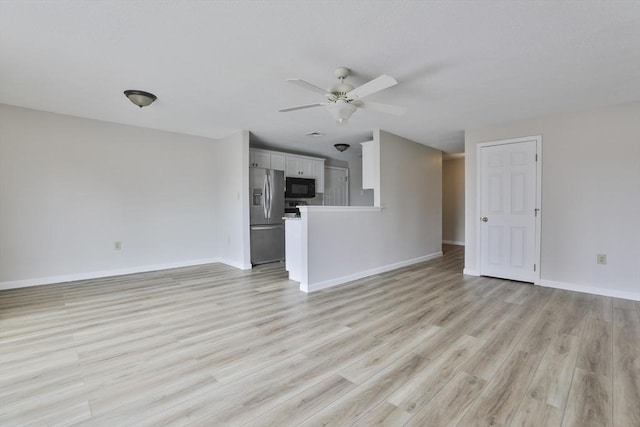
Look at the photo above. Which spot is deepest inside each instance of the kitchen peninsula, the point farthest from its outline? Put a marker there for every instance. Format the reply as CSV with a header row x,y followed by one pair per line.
x,y
313,257
331,245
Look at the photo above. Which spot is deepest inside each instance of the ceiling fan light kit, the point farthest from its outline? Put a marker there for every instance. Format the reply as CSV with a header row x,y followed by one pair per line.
x,y
342,100
140,97
341,111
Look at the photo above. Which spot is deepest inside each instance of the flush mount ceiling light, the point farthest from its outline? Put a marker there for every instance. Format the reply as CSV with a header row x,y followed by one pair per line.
x,y
314,134
140,97
341,147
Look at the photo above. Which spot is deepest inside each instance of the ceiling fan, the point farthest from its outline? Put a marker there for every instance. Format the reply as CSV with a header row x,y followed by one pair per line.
x,y
342,100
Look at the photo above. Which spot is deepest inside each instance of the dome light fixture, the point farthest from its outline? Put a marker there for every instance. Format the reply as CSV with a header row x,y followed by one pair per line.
x,y
140,97
341,147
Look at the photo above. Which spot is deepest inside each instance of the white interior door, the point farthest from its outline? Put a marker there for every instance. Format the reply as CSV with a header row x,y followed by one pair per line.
x,y
336,186
509,210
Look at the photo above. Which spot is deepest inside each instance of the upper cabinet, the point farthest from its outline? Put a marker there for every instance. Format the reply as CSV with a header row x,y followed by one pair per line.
x,y
278,161
266,159
259,159
299,166
369,164
317,171
291,164
371,168
306,167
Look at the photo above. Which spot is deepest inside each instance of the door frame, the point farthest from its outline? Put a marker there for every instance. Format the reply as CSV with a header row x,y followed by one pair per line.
x,y
538,222
348,182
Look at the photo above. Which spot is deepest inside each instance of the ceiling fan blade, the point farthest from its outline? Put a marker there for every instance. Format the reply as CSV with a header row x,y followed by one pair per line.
x,y
300,107
375,85
308,86
383,108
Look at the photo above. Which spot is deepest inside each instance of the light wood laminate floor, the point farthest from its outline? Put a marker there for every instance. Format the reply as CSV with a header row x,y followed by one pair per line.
x,y
420,346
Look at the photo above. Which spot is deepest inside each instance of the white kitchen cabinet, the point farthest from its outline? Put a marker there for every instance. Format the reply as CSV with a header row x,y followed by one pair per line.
x,y
298,166
304,167
266,159
317,170
370,164
259,159
278,162
371,168
291,164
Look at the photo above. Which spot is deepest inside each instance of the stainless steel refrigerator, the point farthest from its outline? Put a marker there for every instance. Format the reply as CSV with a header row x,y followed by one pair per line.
x,y
266,191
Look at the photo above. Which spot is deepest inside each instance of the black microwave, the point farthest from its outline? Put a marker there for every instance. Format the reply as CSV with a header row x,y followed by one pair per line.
x,y
300,188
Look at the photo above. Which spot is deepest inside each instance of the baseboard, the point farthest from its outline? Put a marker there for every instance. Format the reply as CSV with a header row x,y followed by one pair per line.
x,y
235,264
471,272
635,296
453,242
105,273
366,273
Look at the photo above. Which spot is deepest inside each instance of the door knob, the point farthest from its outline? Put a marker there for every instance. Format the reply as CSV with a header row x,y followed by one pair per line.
x,y
484,219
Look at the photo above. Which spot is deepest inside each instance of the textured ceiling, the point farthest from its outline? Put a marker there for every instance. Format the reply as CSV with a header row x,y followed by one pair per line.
x,y
221,66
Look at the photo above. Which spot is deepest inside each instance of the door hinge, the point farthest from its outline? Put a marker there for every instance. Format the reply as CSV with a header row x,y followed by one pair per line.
x,y
534,267
535,211
536,157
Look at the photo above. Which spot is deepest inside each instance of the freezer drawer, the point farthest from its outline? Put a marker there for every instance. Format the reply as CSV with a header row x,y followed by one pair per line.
x,y
267,243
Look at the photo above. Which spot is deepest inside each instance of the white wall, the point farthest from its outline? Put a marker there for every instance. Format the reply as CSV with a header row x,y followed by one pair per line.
x,y
70,187
232,200
590,197
349,243
335,162
453,201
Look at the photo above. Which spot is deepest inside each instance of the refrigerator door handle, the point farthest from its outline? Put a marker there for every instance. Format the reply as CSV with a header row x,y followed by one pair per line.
x,y
270,196
264,197
266,227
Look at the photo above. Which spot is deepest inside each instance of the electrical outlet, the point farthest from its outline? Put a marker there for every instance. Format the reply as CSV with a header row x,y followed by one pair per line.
x,y
117,245
602,259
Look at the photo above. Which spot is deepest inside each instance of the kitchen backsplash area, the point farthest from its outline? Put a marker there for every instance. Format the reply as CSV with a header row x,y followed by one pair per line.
x,y
318,200
290,208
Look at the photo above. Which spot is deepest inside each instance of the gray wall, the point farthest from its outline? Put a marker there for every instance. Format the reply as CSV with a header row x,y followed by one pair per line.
x,y
411,194
70,187
231,193
590,197
345,244
453,201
